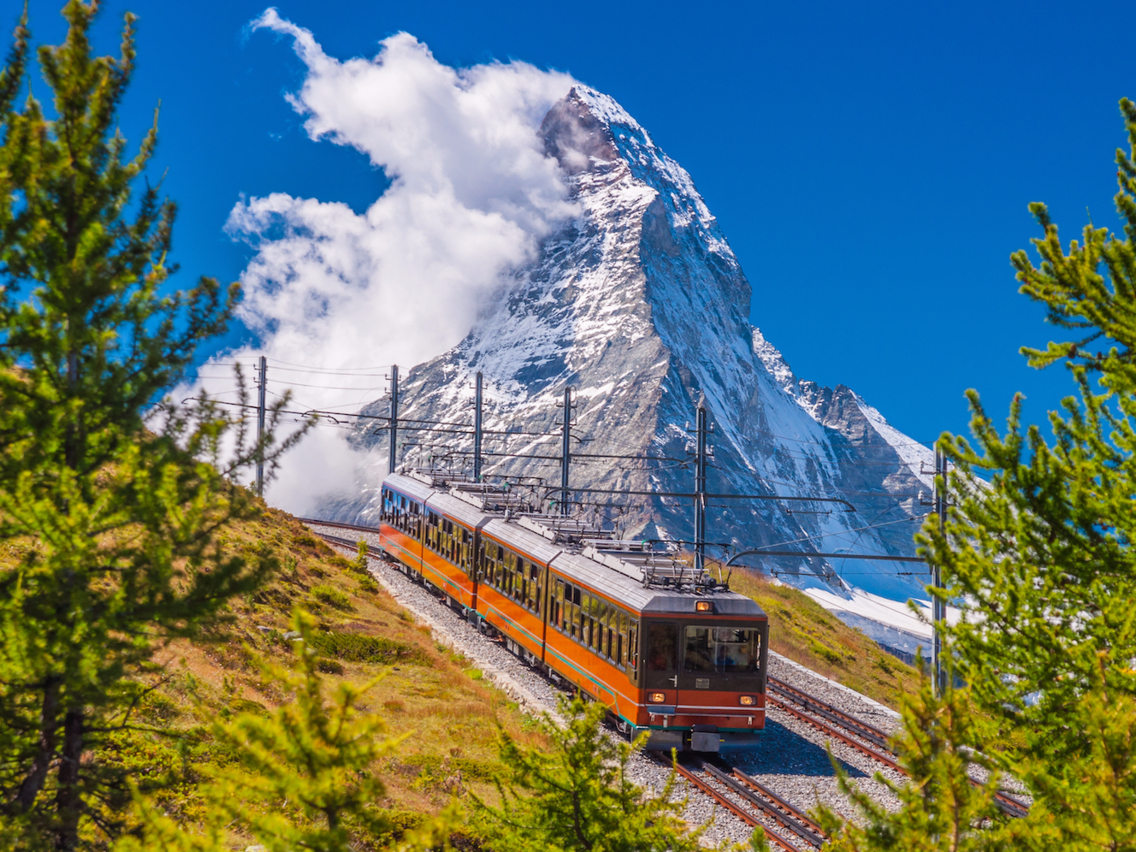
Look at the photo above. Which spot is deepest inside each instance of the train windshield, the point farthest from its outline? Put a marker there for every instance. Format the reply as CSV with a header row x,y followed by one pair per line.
x,y
721,649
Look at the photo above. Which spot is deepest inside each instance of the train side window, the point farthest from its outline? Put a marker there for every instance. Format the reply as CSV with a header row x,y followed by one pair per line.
x,y
621,638
620,643
593,626
574,612
602,644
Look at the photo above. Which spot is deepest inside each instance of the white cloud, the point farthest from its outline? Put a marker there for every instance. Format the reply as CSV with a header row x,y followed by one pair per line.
x,y
471,195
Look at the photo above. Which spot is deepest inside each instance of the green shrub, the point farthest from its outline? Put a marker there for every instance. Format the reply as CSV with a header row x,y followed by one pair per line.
x,y
304,539
331,596
359,648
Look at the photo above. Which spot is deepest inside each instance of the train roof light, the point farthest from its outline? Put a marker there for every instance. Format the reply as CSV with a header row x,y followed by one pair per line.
x,y
703,606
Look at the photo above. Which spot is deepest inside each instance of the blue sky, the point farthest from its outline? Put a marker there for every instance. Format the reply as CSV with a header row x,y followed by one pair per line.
x,y
869,163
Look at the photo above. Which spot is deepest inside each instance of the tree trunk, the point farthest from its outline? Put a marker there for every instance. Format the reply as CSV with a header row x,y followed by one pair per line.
x,y
33,782
69,802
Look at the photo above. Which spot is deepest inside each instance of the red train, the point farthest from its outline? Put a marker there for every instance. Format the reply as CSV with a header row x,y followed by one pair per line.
x,y
669,652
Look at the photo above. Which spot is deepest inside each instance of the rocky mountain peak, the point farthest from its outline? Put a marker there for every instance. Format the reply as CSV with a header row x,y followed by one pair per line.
x,y
576,137
640,306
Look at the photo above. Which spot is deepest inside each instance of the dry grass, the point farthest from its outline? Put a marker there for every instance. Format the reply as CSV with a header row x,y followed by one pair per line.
x,y
429,693
450,716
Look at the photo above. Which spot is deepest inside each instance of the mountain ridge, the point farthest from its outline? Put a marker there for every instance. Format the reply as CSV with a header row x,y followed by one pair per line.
x,y
639,304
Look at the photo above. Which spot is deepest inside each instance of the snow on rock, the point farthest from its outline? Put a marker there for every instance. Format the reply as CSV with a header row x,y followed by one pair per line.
x,y
640,305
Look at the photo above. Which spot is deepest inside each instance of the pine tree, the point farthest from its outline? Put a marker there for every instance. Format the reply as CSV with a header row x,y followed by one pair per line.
x,y
1043,556
940,806
113,519
1040,558
577,796
305,777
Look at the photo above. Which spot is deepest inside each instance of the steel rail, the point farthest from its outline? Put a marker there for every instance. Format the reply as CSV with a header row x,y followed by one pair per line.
x,y
1003,801
1007,803
359,527
797,814
772,805
828,729
833,714
732,807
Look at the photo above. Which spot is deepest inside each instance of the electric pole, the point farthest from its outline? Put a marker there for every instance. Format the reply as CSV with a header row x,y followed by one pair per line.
x,y
477,429
938,607
260,429
565,451
700,491
394,417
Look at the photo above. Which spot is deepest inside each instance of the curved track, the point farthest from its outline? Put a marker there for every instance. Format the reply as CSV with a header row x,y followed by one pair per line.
x,y
865,738
824,717
747,800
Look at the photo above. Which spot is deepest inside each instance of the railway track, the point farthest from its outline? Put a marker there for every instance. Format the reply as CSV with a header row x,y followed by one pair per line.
x,y
751,802
821,715
866,739
860,735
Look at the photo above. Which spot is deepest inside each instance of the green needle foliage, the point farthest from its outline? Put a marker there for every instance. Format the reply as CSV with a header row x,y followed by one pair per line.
x,y
940,806
1040,558
111,519
305,779
577,796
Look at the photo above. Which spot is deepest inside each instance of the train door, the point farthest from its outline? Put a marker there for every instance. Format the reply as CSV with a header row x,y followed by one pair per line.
x,y
660,666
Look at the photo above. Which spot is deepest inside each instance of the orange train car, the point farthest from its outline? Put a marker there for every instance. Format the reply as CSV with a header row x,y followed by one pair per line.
x,y
667,652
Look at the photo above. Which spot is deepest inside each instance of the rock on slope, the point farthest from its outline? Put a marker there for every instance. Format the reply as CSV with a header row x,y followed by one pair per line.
x,y
640,306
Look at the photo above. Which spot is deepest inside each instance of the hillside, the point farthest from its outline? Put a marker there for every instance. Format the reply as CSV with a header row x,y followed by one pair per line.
x,y
806,633
449,714
431,694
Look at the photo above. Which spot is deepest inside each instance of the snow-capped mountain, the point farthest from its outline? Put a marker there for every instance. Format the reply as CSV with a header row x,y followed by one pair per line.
x,y
641,307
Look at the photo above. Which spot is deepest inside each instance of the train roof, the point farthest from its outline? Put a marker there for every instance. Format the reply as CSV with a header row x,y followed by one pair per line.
x,y
409,486
625,589
621,581
458,510
518,537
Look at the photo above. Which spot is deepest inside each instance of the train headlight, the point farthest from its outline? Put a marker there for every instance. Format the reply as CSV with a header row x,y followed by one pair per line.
x,y
656,697
747,700
703,606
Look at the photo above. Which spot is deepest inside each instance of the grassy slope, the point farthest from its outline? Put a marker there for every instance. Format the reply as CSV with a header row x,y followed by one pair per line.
x,y
430,693
802,630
